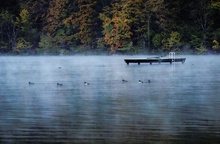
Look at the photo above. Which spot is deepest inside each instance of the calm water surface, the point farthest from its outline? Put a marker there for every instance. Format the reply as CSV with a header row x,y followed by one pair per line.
x,y
180,105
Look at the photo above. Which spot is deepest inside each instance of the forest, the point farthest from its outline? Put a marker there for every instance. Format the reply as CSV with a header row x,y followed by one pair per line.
x,y
65,27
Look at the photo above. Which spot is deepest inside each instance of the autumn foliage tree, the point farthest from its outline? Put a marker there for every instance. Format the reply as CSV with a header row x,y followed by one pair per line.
x,y
65,26
54,29
116,25
86,22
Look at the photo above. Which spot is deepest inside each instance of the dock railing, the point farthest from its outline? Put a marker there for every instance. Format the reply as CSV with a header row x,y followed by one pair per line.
x,y
172,56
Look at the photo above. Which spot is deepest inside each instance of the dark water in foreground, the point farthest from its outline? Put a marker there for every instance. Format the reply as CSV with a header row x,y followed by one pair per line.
x,y
180,105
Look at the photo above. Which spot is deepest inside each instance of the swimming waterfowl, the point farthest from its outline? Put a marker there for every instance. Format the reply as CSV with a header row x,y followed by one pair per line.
x,y
123,80
149,81
140,81
86,83
30,83
59,84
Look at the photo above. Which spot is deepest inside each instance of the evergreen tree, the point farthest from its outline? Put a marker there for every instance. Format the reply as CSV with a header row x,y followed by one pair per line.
x,y
26,33
37,11
202,18
8,31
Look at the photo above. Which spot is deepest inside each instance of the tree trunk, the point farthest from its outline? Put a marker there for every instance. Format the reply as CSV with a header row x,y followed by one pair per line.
x,y
144,43
14,43
148,31
9,40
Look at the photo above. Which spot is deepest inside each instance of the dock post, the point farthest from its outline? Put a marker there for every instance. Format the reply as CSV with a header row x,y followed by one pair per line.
x,y
159,61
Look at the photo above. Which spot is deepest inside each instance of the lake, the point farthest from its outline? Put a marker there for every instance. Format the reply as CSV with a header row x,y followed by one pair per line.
x,y
181,104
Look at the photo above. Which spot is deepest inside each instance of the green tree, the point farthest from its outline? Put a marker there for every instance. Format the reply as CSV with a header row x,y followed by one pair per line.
x,y
26,33
202,14
174,41
156,9
8,30
216,46
37,11
48,45
136,12
55,26
157,39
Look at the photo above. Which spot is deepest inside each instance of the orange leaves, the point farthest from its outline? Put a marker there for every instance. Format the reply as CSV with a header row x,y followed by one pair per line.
x,y
116,25
55,16
86,22
67,20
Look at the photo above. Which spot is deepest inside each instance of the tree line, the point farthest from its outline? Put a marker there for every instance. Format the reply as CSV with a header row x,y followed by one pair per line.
x,y
110,26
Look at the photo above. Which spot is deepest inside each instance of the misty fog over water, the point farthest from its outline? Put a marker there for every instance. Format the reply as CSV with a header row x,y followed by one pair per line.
x,y
181,104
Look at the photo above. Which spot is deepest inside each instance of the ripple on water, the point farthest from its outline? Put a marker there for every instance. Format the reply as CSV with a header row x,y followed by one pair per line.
x,y
180,105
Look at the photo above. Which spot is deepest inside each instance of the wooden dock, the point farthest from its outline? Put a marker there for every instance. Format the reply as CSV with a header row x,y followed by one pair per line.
x,y
154,60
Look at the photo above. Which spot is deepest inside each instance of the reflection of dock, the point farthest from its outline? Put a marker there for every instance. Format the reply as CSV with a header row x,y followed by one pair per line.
x,y
151,60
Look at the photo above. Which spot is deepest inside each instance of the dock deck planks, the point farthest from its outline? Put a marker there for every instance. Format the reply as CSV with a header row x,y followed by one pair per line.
x,y
154,60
